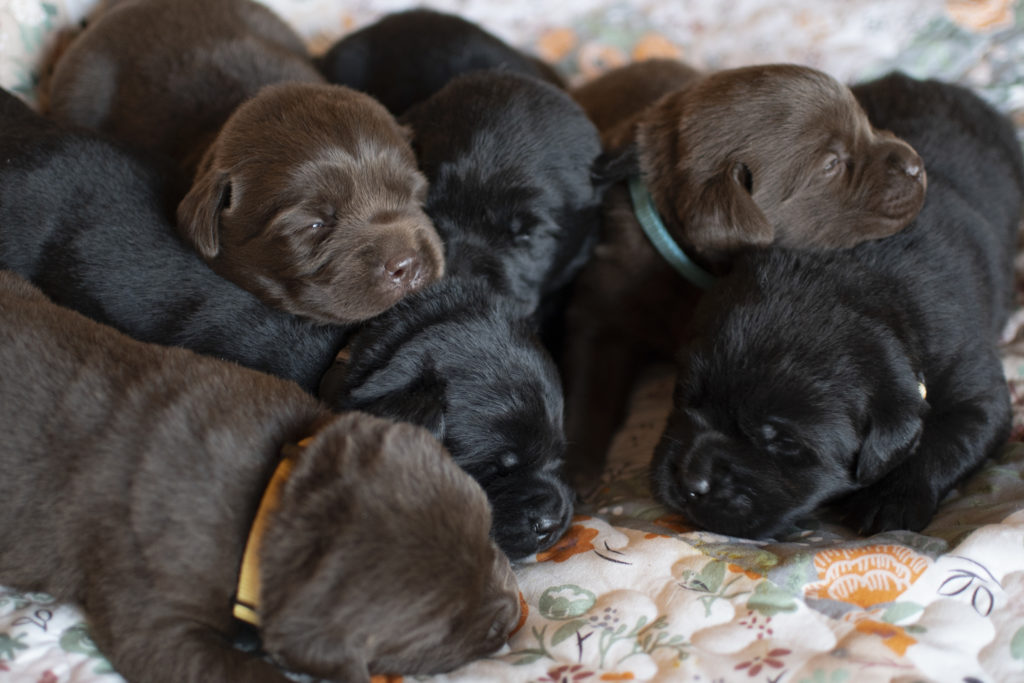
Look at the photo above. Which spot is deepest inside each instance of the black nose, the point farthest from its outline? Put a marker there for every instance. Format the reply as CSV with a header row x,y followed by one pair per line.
x,y
405,271
545,527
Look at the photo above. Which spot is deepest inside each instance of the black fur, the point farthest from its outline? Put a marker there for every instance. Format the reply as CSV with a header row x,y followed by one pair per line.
x,y
91,224
463,363
408,56
802,386
516,181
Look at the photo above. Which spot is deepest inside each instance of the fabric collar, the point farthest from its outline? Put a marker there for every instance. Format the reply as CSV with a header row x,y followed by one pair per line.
x,y
654,228
247,594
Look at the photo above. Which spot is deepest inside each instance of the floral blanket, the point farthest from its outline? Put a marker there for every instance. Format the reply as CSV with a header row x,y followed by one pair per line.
x,y
632,593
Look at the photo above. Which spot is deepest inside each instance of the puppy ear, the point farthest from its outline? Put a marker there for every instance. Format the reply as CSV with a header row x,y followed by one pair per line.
x,y
613,167
720,215
893,431
422,405
199,211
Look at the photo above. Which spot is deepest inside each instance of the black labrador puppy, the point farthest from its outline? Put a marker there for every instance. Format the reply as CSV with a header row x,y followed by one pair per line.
x,y
516,181
466,365
406,57
867,377
91,223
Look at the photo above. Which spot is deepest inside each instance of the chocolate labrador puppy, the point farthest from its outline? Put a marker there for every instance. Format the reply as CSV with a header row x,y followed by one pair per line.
x,y
90,222
466,365
306,194
132,476
866,377
749,157
406,57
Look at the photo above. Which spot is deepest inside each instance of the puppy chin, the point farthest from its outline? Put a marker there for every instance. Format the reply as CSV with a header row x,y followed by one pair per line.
x,y
727,509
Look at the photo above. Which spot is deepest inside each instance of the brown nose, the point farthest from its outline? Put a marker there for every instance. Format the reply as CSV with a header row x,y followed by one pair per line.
x,y
404,271
903,159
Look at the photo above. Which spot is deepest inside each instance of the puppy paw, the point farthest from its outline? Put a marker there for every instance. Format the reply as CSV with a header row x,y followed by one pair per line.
x,y
890,504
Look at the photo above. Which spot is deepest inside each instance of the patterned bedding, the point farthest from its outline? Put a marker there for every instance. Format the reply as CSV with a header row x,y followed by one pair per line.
x,y
632,593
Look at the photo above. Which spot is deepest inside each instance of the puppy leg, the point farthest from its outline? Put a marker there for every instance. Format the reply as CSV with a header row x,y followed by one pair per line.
x,y
599,370
173,650
959,433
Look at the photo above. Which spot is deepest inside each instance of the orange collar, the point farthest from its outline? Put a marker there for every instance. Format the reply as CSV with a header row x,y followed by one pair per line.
x,y
247,594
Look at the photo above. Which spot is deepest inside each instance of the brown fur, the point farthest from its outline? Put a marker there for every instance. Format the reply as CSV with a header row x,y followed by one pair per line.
x,y
733,159
132,473
304,193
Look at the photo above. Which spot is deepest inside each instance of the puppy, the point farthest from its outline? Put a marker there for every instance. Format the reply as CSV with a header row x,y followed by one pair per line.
x,y
303,193
374,557
406,57
516,182
466,365
748,157
89,222
867,377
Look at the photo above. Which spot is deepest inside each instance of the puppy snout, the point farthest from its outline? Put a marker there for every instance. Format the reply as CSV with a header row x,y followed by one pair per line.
x,y
695,485
546,528
404,271
904,160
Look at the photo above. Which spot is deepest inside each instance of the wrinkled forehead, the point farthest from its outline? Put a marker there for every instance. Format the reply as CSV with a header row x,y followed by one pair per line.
x,y
776,99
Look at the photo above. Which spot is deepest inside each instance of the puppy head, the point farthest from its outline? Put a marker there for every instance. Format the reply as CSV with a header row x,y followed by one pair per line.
x,y
769,421
310,198
456,362
516,180
378,560
777,154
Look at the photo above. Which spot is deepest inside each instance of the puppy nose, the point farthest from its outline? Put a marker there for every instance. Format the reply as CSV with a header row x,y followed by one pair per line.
x,y
405,271
545,527
695,484
906,161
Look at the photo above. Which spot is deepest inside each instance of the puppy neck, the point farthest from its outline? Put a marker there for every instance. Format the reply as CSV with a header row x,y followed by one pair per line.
x,y
247,593
647,215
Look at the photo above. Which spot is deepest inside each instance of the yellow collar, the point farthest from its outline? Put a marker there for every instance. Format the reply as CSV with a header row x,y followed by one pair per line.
x,y
247,594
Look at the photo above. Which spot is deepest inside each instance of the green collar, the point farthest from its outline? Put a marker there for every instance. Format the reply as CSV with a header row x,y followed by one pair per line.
x,y
647,214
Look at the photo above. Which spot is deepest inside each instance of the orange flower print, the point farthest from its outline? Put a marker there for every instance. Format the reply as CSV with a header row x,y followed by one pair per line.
x,y
382,678
981,15
894,637
866,576
624,676
556,44
578,539
674,523
655,45
524,611
736,569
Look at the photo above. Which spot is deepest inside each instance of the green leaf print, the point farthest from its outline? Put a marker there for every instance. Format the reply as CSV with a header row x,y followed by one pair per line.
x,y
565,602
567,630
76,639
1017,644
769,600
9,646
899,611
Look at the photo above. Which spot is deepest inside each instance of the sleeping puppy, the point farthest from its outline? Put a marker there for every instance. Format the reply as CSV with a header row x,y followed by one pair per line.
x,y
306,194
466,365
371,548
749,157
867,377
516,181
90,223
406,57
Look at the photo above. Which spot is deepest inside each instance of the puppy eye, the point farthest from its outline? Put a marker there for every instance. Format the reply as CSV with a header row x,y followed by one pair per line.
x,y
316,225
776,441
834,164
508,460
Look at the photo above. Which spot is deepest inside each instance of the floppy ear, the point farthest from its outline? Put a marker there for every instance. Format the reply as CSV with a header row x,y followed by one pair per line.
x,y
612,167
199,211
720,214
893,430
